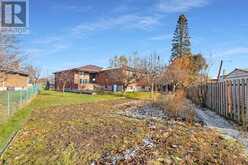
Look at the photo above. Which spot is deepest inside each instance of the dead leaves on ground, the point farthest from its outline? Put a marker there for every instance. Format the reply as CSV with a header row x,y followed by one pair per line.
x,y
82,134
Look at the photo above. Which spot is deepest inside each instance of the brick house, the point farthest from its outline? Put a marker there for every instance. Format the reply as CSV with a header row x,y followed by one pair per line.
x,y
110,78
81,78
13,80
91,77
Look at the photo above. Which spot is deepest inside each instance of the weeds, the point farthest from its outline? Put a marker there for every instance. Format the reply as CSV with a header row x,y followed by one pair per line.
x,y
92,132
177,106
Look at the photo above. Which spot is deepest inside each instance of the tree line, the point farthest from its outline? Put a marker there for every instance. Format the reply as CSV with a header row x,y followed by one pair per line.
x,y
182,70
12,60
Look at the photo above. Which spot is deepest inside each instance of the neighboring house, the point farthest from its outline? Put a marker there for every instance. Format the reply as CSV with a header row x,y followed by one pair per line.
x,y
138,86
91,77
14,80
111,79
236,74
48,82
81,78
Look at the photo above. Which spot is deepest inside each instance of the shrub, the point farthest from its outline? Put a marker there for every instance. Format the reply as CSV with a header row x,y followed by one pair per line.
x,y
177,106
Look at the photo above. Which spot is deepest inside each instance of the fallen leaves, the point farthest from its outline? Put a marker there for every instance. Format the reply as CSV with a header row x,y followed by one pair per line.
x,y
97,134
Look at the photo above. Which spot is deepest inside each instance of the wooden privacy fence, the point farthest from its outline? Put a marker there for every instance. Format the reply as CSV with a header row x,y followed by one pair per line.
x,y
228,99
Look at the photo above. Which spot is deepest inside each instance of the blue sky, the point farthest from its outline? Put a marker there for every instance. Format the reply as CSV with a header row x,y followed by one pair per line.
x,y
69,33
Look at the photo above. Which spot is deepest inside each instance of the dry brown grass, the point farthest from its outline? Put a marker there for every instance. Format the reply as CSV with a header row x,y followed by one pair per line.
x,y
177,106
80,134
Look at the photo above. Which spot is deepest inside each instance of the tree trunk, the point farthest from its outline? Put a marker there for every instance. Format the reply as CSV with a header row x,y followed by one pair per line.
x,y
152,91
63,90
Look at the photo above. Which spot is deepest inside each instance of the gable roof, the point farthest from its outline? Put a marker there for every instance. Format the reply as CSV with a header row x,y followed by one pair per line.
x,y
90,68
86,68
236,69
14,72
243,69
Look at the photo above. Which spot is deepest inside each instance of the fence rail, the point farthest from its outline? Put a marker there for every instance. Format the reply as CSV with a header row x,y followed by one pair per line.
x,y
11,101
228,99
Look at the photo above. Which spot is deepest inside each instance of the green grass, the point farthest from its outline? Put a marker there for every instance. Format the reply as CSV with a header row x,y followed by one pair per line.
x,y
44,100
134,95
83,128
139,95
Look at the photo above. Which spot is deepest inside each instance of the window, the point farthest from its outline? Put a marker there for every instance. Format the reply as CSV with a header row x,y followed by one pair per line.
x,y
84,81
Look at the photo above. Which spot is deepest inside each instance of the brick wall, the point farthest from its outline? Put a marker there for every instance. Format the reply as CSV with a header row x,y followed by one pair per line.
x,y
66,79
13,80
110,77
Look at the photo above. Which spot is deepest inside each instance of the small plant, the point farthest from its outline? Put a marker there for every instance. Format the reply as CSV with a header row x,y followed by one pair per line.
x,y
69,156
177,106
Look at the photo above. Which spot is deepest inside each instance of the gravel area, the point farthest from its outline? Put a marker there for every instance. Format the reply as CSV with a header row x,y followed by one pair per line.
x,y
215,121
142,110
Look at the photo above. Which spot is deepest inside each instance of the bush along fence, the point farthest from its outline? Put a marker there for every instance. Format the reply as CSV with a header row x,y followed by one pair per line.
x,y
11,101
228,99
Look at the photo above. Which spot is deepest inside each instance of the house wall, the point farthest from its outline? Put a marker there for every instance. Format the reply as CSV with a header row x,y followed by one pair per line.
x,y
137,88
84,81
112,76
12,80
74,80
104,80
237,74
66,79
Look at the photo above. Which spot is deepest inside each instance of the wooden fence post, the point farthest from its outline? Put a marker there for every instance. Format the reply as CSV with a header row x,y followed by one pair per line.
x,y
230,98
243,103
211,95
238,101
234,100
246,102
222,100
218,97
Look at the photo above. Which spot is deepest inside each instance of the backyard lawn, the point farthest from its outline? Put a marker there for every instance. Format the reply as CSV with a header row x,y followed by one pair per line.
x,y
82,129
46,99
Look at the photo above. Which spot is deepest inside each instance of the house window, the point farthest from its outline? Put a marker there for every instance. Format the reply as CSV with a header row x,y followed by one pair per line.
x,y
84,81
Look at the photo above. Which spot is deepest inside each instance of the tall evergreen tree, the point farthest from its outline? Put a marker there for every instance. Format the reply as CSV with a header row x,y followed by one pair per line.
x,y
181,40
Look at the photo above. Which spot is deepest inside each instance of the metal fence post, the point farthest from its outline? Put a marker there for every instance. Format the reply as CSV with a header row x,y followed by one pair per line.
x,y
8,102
20,97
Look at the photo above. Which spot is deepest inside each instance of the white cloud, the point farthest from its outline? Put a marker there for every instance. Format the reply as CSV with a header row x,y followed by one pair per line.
x,y
47,45
73,8
170,6
128,21
47,40
235,51
161,37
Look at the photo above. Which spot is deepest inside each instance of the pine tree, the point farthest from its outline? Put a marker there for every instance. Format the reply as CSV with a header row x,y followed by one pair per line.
x,y
181,40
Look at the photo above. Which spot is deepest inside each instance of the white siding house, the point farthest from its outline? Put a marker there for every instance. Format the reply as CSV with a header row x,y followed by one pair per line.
x,y
237,74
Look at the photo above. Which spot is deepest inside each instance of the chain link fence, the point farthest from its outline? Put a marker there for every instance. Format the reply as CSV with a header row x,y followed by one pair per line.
x,y
11,101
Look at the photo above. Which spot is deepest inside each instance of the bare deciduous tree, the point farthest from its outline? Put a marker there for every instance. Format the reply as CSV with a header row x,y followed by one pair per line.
x,y
33,72
125,70
152,67
9,58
